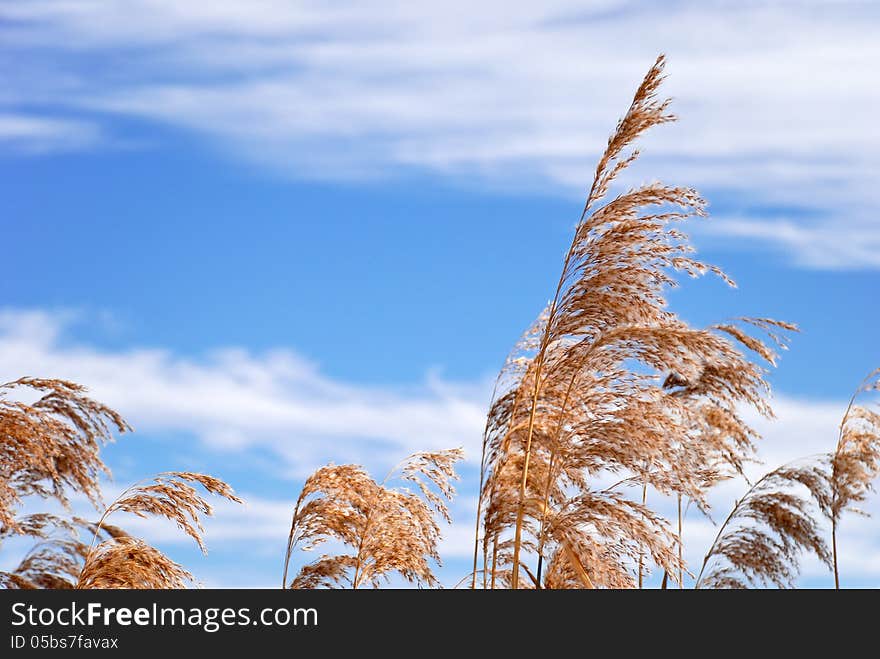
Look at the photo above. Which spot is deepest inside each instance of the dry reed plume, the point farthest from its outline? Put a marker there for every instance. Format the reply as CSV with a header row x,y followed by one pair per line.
x,y
130,563
57,558
583,394
50,449
763,537
855,462
388,530
773,524
126,562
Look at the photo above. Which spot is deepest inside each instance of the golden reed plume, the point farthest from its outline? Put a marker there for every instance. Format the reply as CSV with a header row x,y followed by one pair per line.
x,y
56,559
127,562
388,530
768,530
582,395
763,537
50,449
855,462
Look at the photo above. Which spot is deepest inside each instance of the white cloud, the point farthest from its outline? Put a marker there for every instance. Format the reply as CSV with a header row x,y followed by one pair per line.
x,y
777,100
234,400
832,244
35,134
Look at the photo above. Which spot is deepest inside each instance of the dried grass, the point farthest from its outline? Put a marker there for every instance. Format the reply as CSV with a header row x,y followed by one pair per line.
x,y
855,462
51,447
583,394
57,559
130,563
171,496
126,562
389,530
762,539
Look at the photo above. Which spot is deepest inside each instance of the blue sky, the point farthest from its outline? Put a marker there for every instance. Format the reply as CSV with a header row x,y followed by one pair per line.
x,y
275,234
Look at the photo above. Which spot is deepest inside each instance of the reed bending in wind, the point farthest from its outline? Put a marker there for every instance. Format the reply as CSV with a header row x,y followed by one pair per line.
x,y
388,530
769,528
855,462
50,449
123,561
607,386
778,520
56,559
583,394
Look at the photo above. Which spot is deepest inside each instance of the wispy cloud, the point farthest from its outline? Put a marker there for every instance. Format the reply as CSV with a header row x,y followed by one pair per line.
x,y
35,134
235,400
831,244
777,100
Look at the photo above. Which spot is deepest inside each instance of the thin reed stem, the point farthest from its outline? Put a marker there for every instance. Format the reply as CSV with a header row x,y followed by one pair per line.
x,y
642,551
680,547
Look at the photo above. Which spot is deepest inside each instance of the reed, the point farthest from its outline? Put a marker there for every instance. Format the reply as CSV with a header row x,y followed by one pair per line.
x,y
50,449
610,381
387,530
855,462
769,528
123,561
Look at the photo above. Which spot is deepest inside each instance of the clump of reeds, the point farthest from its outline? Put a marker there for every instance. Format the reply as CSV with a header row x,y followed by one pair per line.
x,y
583,394
51,447
122,561
608,382
56,559
387,530
778,520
